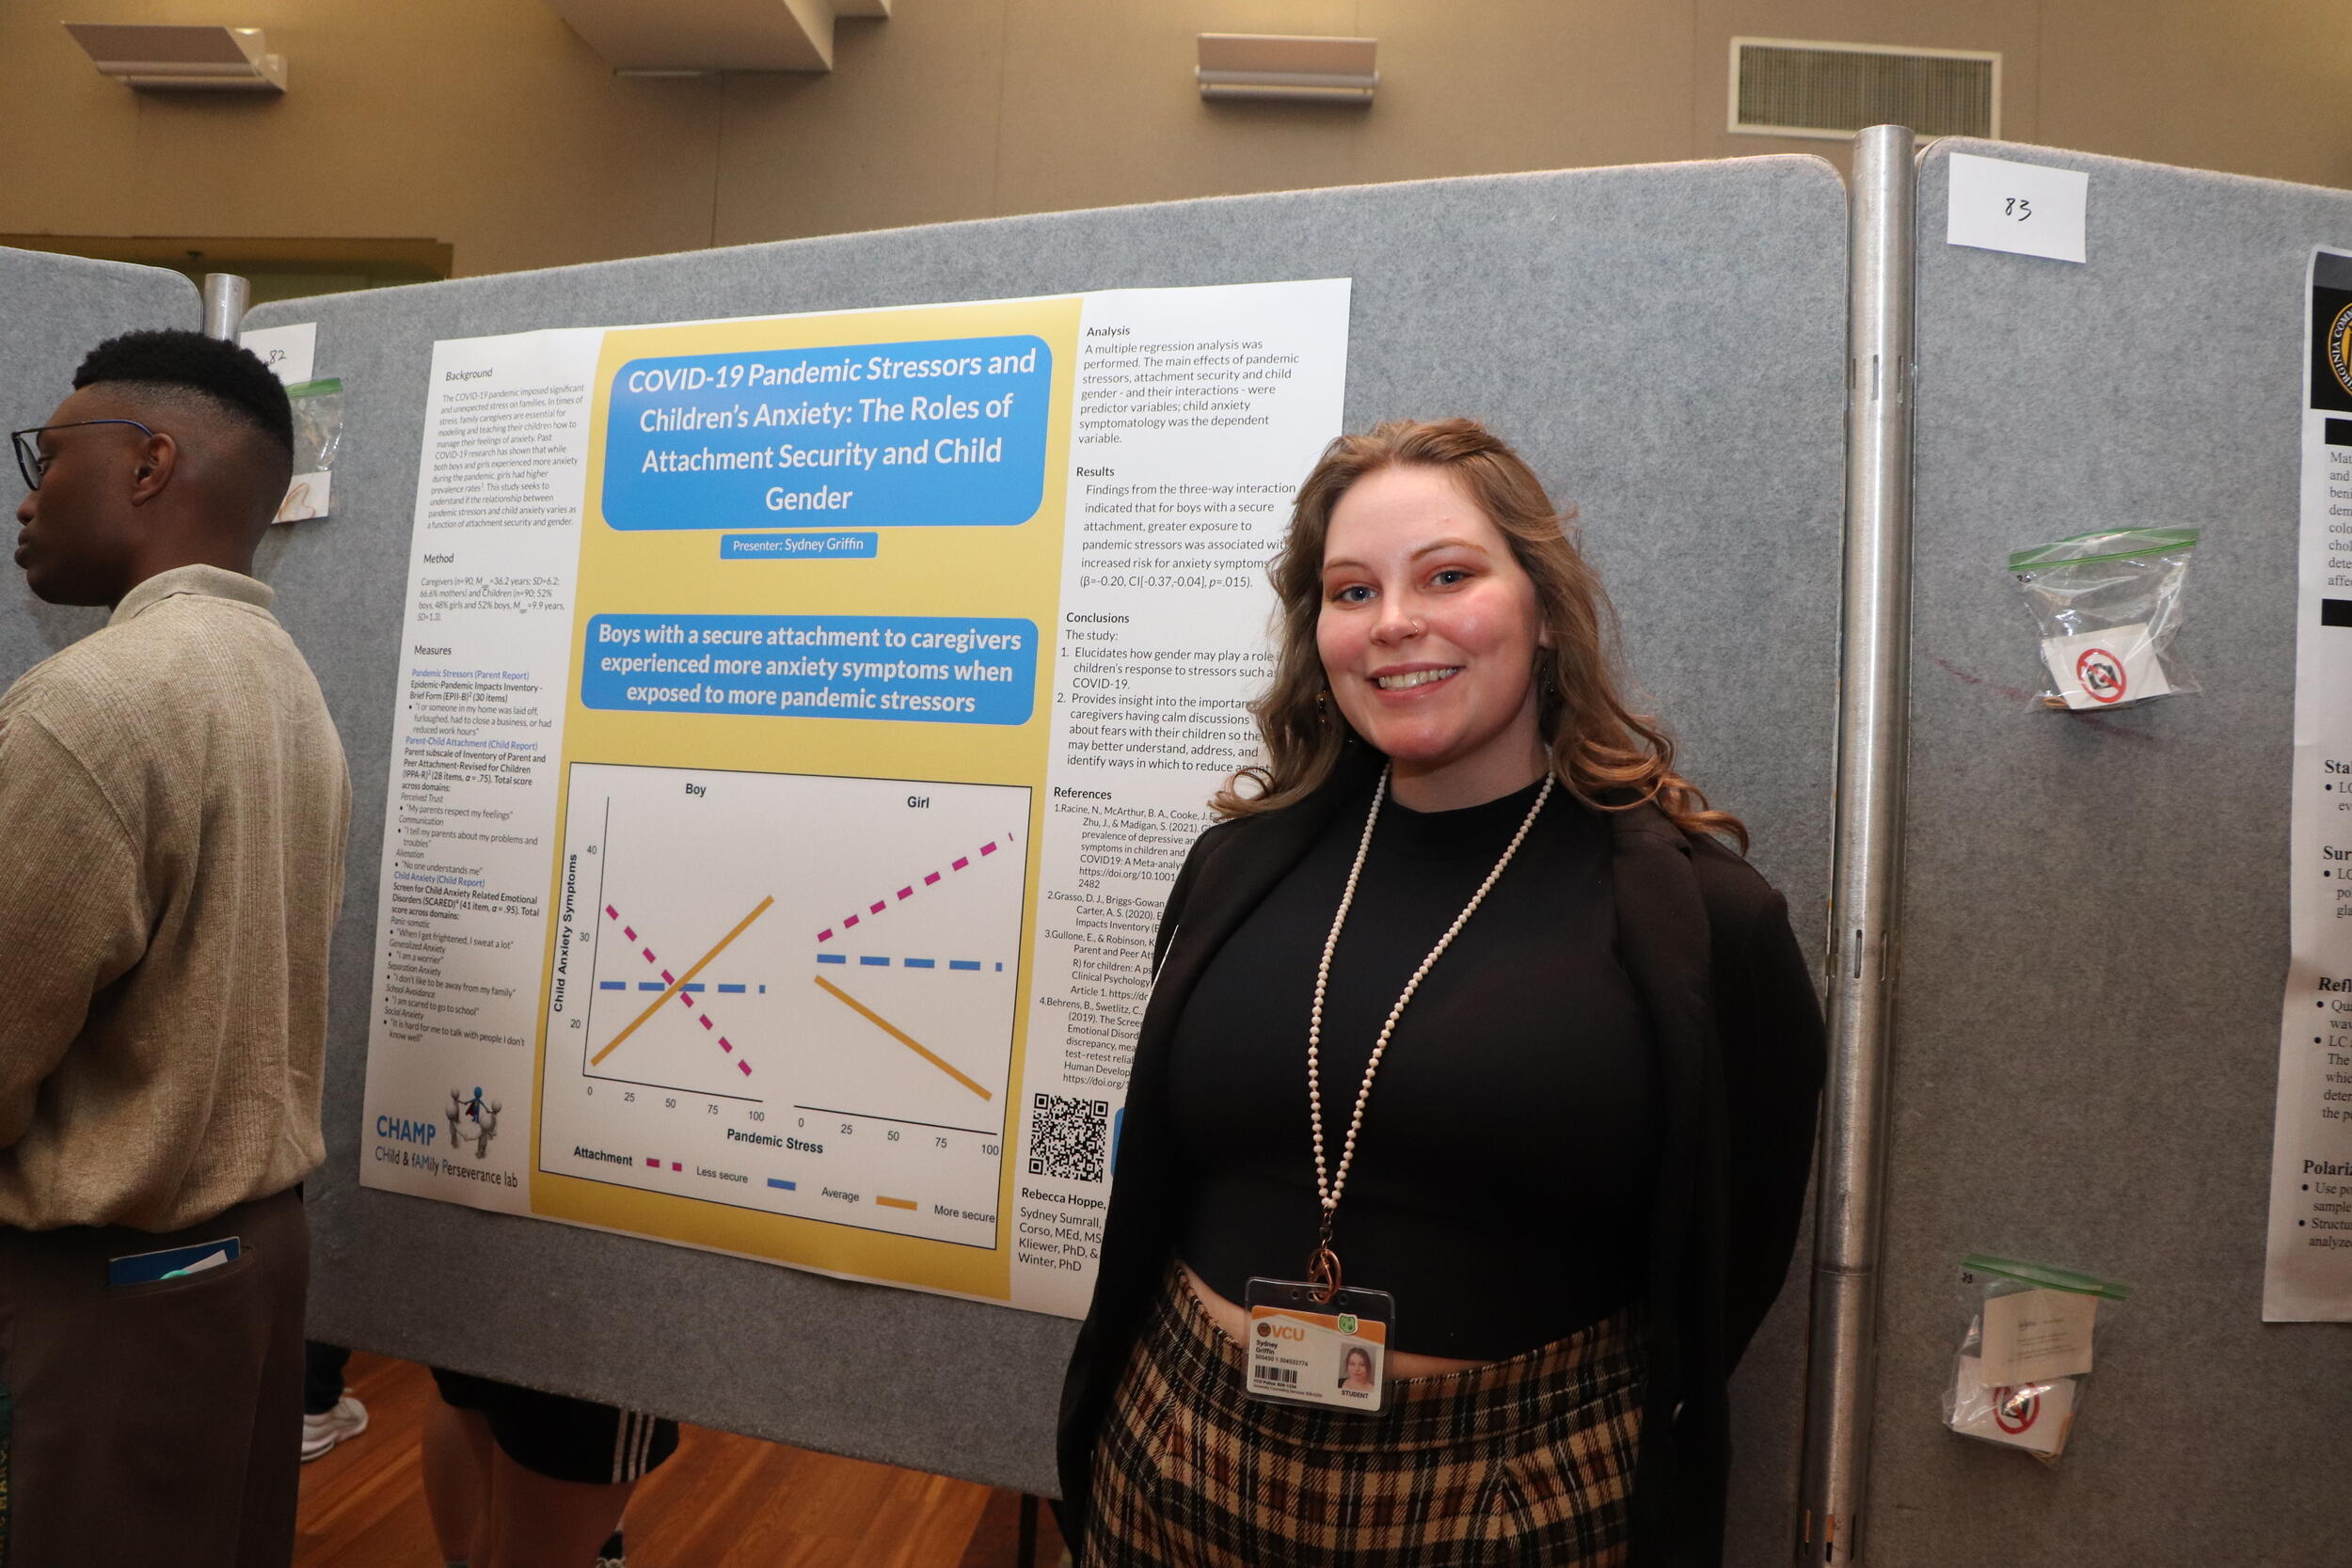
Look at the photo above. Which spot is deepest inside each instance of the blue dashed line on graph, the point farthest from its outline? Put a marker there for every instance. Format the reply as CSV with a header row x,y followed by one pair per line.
x,y
880,961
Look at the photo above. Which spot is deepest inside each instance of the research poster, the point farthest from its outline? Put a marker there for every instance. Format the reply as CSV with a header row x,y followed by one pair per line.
x,y
2309,1274
801,721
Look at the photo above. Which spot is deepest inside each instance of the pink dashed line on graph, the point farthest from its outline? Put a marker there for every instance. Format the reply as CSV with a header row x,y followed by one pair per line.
x,y
929,880
685,1000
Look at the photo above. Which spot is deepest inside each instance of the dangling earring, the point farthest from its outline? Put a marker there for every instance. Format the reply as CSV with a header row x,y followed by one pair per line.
x,y
1322,707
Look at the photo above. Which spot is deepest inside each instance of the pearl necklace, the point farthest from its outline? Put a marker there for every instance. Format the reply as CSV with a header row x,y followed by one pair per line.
x,y
1324,1267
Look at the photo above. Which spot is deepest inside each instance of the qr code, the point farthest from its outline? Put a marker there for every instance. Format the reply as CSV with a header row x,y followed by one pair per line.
x,y
1068,1136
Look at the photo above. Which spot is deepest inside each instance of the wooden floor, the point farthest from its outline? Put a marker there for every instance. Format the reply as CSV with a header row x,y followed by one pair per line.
x,y
721,1501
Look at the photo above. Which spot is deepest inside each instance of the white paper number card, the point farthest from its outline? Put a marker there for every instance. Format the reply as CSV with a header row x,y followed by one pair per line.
x,y
290,351
1997,205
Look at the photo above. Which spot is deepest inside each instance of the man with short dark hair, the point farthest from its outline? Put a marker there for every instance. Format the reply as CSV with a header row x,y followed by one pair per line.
x,y
173,809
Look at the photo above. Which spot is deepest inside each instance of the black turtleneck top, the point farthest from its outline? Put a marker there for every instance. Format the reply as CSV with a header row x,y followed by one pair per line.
x,y
1503,1177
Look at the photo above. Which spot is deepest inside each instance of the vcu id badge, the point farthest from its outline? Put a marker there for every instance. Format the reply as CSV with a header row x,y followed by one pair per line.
x,y
1310,1348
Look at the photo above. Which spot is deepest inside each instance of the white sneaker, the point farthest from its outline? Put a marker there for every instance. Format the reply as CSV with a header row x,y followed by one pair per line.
x,y
349,1419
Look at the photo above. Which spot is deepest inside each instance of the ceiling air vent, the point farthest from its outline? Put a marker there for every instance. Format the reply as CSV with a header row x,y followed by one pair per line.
x,y
1784,87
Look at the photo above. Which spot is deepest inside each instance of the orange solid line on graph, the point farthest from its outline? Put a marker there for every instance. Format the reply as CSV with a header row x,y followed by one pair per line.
x,y
896,1202
902,1036
740,927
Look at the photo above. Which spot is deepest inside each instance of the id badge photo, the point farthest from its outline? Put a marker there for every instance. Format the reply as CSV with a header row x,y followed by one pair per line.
x,y
1307,1348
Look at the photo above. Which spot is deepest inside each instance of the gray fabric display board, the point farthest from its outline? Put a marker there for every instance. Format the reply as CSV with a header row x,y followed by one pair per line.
x,y
2095,906
57,309
1667,345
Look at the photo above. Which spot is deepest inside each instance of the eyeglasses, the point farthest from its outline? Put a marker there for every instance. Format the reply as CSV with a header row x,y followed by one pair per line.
x,y
29,459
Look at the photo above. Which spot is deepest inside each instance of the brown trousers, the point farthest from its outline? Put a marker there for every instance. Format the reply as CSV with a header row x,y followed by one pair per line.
x,y
156,1423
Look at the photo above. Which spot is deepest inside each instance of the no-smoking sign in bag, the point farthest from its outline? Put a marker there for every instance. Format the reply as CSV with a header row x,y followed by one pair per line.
x,y
2019,1377
2107,605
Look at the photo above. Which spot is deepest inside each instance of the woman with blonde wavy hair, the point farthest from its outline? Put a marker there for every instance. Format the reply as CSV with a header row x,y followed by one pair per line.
x,y
1474,1056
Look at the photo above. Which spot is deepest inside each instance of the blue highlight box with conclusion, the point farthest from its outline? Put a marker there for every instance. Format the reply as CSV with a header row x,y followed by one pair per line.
x,y
922,669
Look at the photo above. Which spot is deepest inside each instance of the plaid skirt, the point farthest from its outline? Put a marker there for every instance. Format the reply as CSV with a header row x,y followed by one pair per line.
x,y
1527,1461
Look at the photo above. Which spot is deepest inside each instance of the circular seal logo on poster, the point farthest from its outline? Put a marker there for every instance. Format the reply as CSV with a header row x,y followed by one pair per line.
x,y
2340,347
2101,673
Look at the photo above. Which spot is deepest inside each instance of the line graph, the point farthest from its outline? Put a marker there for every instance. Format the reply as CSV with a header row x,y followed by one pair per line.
x,y
679,984
683,988
930,878
901,1037
699,1018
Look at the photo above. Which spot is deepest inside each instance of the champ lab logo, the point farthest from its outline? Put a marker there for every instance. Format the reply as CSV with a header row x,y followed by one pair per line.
x,y
472,1119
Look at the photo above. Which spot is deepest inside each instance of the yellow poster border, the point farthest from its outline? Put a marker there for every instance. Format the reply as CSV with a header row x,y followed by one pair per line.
x,y
1004,571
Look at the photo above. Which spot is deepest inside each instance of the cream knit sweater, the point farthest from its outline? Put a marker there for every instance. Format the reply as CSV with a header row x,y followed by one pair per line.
x,y
173,810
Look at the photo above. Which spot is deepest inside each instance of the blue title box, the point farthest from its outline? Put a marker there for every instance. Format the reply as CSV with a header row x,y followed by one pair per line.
x,y
799,547
935,669
946,434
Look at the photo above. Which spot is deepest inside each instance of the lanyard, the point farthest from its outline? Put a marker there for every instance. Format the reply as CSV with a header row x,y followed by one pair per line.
x,y
1324,1268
